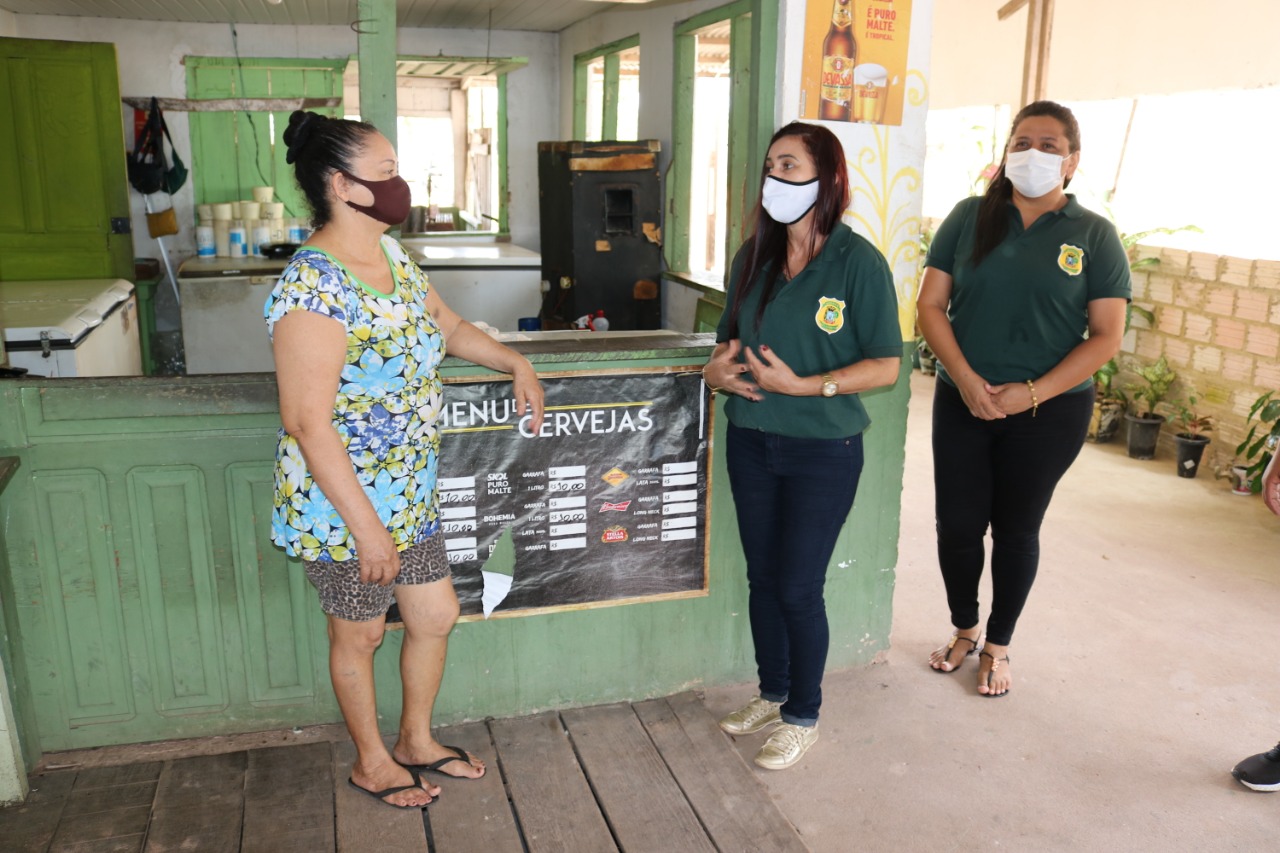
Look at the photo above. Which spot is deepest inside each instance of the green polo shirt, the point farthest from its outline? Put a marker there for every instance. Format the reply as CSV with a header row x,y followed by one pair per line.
x,y
1024,307
839,310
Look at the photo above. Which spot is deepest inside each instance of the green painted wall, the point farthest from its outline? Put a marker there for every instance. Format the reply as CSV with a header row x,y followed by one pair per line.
x,y
151,605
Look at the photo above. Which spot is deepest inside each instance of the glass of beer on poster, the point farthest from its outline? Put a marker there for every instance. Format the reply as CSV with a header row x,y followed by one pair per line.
x,y
870,92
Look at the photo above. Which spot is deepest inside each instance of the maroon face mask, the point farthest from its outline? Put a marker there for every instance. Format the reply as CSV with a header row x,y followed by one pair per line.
x,y
391,199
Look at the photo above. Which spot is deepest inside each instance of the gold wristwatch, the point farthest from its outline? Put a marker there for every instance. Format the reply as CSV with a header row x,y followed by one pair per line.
x,y
830,387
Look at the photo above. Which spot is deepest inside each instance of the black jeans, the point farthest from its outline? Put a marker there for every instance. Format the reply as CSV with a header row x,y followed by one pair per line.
x,y
792,497
1000,474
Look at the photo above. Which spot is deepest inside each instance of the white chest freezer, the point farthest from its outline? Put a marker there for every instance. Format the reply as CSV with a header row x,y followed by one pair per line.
x,y
85,327
222,326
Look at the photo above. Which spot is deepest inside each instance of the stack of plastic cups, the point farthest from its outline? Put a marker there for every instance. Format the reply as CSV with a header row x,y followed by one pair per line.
x,y
250,211
206,247
222,230
274,215
259,227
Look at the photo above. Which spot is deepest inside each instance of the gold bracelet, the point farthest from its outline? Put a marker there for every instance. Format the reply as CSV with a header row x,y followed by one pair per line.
x,y
714,389
1035,404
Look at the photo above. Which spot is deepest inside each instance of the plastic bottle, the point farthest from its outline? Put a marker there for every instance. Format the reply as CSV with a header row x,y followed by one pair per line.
x,y
599,323
261,236
239,239
206,246
297,231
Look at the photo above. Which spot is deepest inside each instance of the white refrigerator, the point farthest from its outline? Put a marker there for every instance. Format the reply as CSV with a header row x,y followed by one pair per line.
x,y
63,328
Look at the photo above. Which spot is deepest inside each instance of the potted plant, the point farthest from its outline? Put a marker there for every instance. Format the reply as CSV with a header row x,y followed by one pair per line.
x,y
925,358
1144,422
1108,404
1259,444
1109,401
1190,438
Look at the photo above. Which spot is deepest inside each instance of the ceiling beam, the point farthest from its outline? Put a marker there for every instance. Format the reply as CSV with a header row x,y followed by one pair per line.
x,y
1035,57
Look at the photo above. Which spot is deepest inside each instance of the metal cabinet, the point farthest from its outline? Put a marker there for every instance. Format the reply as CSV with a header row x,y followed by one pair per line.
x,y
601,212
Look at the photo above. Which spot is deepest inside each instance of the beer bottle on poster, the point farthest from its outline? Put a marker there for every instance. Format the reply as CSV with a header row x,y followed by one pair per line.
x,y
839,53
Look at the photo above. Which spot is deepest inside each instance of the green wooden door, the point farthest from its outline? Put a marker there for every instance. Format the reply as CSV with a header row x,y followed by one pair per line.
x,y
62,162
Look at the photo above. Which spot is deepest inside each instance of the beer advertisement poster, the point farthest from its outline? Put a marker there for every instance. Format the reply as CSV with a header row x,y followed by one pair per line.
x,y
604,502
855,60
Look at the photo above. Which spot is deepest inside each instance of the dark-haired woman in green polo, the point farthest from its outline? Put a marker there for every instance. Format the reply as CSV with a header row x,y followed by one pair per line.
x,y
1023,299
811,320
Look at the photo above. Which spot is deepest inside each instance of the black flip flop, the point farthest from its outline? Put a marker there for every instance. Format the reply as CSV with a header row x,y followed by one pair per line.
x,y
459,754
378,795
995,664
951,645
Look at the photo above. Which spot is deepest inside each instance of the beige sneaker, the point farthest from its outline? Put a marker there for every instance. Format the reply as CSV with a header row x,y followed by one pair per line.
x,y
786,746
755,715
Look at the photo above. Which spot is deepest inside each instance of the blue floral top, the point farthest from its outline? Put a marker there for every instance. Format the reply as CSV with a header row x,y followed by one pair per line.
x,y
389,398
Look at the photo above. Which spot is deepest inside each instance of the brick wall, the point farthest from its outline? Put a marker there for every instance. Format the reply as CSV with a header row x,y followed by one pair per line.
x,y
1217,323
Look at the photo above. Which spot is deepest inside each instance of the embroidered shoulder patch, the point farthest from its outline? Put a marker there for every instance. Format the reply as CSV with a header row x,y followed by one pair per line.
x,y
1071,259
830,316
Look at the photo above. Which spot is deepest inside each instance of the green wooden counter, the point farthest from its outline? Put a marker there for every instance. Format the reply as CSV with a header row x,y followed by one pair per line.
x,y
16,714
149,603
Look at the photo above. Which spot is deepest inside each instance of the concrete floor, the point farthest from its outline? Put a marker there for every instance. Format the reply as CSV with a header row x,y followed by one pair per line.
x,y
1145,665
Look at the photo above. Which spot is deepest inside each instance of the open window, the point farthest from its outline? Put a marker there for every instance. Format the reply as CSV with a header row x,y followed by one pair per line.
x,y
606,92
450,131
451,144
708,192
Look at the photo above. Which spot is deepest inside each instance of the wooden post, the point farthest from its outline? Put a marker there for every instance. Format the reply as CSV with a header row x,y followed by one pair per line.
x,y
1035,62
376,51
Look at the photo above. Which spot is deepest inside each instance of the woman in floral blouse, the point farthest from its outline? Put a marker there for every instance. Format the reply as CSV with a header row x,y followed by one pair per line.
x,y
358,336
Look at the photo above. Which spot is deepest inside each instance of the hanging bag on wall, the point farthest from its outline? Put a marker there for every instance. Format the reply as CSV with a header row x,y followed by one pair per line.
x,y
147,166
176,175
162,223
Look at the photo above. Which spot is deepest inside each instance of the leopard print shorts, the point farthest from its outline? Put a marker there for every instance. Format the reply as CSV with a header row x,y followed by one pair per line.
x,y
344,597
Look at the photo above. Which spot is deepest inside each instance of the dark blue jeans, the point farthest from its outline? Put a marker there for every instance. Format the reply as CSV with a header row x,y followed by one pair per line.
x,y
792,496
999,474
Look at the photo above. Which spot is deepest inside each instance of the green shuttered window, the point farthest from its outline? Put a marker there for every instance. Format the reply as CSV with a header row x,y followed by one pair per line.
x,y
232,152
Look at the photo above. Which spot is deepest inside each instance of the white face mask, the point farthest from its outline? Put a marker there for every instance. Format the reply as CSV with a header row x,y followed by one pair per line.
x,y
1034,173
786,202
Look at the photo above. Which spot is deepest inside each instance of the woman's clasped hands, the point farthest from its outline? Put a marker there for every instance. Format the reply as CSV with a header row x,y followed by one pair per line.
x,y
993,402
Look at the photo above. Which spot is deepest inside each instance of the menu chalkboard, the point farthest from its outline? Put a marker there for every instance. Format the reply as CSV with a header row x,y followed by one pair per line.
x,y
606,499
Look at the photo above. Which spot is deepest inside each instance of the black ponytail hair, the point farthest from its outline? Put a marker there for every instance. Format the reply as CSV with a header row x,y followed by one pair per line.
x,y
318,146
993,214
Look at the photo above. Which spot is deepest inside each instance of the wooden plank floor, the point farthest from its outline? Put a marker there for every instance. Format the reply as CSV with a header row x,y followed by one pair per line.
x,y
655,776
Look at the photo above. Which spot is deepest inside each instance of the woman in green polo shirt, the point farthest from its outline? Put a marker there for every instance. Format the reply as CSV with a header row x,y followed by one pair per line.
x,y
811,321
1023,299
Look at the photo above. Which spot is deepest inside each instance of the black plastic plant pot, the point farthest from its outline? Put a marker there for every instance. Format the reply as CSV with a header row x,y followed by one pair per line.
x,y
1190,449
1144,433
